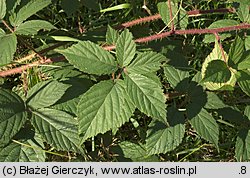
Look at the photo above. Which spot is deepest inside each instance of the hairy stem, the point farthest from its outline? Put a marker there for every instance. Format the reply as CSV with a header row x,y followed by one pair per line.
x,y
189,13
140,40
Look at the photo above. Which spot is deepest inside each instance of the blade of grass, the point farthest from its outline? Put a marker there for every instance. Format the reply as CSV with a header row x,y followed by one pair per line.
x,y
118,7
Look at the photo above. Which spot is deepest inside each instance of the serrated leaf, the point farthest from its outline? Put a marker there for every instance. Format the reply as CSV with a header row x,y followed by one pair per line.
x,y
216,54
69,101
70,7
45,94
125,48
214,102
242,146
206,126
103,107
220,24
179,14
26,151
217,72
147,96
147,62
111,36
236,51
31,8
8,46
2,9
160,138
245,61
90,58
58,128
12,115
33,26
136,152
174,76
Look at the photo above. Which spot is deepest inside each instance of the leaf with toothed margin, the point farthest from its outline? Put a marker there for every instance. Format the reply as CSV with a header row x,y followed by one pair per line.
x,y
162,138
45,94
125,48
12,115
104,106
31,8
58,128
90,58
216,54
217,71
147,62
205,125
147,95
111,36
23,150
33,26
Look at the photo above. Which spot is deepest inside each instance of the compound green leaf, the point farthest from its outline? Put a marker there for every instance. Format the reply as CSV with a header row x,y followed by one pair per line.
x,y
217,72
45,94
242,146
103,107
23,151
31,8
236,51
214,102
12,115
8,46
147,96
125,48
136,152
90,58
2,9
160,138
220,24
174,76
33,26
58,128
206,126
147,62
216,54
111,36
